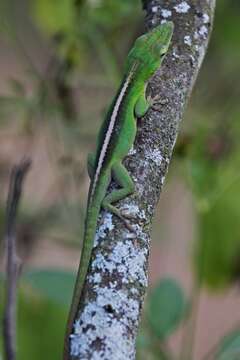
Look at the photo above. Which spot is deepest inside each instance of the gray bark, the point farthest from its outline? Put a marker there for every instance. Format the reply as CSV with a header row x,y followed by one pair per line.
x,y
107,322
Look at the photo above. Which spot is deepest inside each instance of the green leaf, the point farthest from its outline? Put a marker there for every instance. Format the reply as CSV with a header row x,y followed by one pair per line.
x,y
230,347
54,16
52,284
166,307
217,251
143,340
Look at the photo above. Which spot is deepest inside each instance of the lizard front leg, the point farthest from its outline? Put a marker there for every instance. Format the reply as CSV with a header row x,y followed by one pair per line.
x,y
142,105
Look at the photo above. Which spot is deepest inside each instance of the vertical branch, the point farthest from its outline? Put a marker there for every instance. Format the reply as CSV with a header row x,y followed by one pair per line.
x,y
17,176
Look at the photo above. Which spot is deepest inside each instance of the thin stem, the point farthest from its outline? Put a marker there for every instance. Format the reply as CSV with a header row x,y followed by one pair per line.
x,y
13,262
188,341
212,352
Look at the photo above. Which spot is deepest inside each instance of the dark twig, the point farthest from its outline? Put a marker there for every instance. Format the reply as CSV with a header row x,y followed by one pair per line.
x,y
17,176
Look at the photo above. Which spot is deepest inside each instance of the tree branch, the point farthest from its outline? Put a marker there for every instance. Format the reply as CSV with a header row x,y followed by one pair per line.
x,y
107,322
13,263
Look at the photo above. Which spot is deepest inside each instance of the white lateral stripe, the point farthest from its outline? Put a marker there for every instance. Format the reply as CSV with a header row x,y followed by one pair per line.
x,y
109,131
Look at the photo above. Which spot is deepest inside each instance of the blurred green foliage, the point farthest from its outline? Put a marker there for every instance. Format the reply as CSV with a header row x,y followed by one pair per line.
x,y
54,16
212,158
229,348
84,27
40,326
215,181
166,307
56,286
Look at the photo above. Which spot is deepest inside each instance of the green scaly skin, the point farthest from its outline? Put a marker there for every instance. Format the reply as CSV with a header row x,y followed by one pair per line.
x,y
115,139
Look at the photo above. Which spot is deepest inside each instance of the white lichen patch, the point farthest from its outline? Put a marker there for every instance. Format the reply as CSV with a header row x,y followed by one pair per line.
x,y
187,40
134,291
95,278
201,52
182,8
155,156
97,326
206,18
163,180
166,13
203,31
118,301
107,225
100,263
126,259
174,142
155,9
113,285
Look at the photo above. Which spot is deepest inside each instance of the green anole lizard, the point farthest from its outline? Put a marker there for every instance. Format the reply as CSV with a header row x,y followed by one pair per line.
x,y
115,139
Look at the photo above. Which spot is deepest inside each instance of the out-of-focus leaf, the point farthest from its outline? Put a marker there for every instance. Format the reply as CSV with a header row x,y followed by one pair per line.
x,y
54,285
229,348
40,325
54,16
109,14
203,169
148,348
166,307
226,28
143,340
218,249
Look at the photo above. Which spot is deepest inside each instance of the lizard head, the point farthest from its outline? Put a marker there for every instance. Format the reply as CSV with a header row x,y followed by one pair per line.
x,y
150,48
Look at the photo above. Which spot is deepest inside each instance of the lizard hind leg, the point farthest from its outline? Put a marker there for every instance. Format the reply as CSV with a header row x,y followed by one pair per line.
x,y
123,179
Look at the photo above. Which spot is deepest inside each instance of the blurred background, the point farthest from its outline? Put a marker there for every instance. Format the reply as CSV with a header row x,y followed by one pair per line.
x,y
60,64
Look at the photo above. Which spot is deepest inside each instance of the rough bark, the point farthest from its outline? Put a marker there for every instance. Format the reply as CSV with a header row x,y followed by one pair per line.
x,y
107,322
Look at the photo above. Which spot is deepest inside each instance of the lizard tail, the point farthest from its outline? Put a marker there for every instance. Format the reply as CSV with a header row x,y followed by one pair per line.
x,y
88,242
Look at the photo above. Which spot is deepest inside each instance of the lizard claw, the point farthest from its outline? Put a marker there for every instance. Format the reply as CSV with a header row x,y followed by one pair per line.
x,y
124,217
128,216
129,226
155,101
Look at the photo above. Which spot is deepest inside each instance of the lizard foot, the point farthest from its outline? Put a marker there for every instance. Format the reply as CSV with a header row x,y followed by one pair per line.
x,y
155,101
